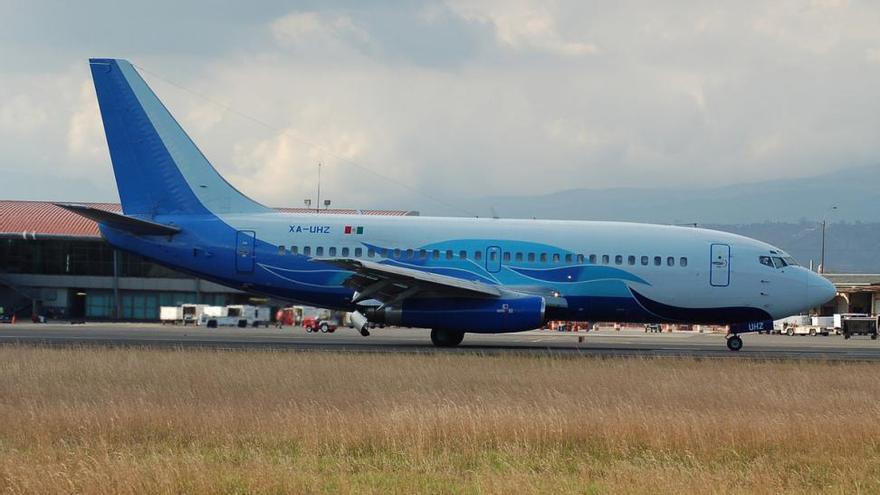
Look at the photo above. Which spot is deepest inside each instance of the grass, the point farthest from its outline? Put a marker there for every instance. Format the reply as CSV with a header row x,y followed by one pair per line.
x,y
96,420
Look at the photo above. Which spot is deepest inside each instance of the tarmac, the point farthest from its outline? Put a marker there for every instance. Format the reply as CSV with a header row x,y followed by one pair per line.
x,y
602,343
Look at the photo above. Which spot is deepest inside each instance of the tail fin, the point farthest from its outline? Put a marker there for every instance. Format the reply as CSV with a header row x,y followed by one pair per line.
x,y
159,170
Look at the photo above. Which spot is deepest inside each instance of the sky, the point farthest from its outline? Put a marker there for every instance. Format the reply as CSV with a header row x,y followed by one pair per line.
x,y
425,104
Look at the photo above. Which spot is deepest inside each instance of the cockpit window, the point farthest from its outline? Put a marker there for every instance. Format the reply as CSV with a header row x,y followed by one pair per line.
x,y
790,261
777,262
766,260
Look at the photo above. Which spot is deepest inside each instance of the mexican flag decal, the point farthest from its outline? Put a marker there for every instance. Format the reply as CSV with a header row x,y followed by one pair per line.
x,y
354,230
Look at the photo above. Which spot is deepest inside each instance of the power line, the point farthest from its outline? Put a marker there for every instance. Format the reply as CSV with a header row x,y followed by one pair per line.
x,y
317,146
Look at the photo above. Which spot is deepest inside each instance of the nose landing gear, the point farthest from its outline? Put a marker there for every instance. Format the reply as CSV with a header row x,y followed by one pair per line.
x,y
734,342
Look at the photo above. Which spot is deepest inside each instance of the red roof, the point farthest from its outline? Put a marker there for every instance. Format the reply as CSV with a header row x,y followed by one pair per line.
x,y
34,218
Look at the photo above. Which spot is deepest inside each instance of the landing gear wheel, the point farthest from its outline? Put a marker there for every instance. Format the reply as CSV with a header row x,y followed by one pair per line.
x,y
446,338
734,343
365,332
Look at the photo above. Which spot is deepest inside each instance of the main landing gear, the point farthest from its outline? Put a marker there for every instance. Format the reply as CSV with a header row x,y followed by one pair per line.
x,y
734,342
446,338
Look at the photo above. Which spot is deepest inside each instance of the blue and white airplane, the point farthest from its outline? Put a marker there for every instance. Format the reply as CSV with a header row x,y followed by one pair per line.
x,y
451,275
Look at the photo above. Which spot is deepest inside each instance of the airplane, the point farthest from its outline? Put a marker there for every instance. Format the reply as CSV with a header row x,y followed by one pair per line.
x,y
450,275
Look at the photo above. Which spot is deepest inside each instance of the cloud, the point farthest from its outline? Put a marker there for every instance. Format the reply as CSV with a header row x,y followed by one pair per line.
x,y
523,25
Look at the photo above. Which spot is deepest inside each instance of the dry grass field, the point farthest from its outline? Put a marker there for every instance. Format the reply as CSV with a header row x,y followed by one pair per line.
x,y
95,420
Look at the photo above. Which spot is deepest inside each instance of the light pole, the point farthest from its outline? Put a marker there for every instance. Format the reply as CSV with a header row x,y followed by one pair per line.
x,y
822,252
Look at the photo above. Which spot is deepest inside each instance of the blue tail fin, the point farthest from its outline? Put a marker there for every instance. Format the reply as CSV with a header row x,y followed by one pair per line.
x,y
159,170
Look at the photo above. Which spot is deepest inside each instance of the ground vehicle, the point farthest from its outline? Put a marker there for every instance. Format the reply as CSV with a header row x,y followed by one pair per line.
x,y
859,325
321,320
170,314
653,328
240,315
186,314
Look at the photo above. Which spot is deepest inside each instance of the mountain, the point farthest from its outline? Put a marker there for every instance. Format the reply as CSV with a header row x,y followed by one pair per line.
x,y
855,191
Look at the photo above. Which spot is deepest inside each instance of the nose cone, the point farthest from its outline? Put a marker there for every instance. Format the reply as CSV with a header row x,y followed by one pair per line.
x,y
819,289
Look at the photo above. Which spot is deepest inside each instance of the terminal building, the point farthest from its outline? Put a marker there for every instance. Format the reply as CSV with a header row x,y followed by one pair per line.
x,y
55,263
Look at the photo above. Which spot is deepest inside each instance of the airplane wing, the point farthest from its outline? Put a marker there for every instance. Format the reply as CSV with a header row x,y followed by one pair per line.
x,y
392,284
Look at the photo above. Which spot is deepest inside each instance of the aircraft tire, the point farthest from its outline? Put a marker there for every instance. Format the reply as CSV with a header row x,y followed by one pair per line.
x,y
734,343
446,338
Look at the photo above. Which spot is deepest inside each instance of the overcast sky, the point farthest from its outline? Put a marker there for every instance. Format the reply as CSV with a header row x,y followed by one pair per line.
x,y
451,99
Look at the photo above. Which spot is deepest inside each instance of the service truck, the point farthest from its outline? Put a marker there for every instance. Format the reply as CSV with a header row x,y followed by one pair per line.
x,y
240,315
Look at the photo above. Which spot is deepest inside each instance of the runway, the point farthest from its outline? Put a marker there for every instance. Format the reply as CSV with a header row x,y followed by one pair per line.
x,y
604,343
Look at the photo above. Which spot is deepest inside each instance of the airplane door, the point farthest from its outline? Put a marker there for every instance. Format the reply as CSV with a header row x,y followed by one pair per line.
x,y
244,250
719,271
493,259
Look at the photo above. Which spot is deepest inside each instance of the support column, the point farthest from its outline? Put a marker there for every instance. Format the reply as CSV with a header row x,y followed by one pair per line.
x,y
117,312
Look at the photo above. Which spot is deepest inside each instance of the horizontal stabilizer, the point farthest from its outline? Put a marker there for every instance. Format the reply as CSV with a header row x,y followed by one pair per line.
x,y
120,222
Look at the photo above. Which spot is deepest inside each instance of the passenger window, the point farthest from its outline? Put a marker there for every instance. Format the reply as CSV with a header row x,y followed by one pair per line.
x,y
281,250
383,253
670,261
397,254
644,261
478,255
332,251
605,259
294,250
358,252
766,261
449,254
506,256
531,257
580,259
370,252
658,261
319,251
631,260
618,260
519,256
543,257
556,257
683,261
307,250
462,255
568,258
435,254
345,251
593,259
493,255
423,255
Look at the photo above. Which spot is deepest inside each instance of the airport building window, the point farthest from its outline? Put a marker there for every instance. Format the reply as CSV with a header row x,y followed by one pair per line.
x,y
345,251
462,255
307,250
645,261
531,257
506,256
658,261
435,254
683,261
606,259
670,261
630,260
319,251
618,260
332,251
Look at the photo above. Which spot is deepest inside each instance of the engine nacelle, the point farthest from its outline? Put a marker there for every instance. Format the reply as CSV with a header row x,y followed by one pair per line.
x,y
510,314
